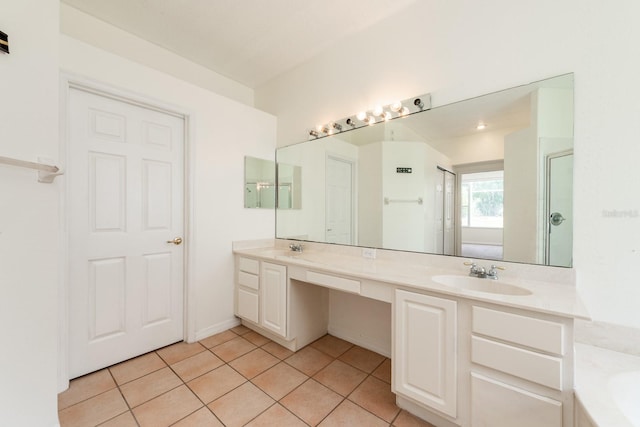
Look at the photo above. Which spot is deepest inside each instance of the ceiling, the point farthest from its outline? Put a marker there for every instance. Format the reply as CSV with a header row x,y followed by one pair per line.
x,y
249,41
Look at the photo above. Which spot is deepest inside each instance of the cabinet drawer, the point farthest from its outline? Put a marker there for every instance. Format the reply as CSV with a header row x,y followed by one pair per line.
x,y
247,305
497,404
334,282
535,333
248,280
248,265
525,364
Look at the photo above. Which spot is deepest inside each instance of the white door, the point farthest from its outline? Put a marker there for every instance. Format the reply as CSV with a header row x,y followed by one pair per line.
x,y
339,209
125,183
560,209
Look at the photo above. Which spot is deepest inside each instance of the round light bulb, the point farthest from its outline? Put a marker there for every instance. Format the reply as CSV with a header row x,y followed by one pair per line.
x,y
387,115
361,116
404,111
481,126
371,120
396,106
377,111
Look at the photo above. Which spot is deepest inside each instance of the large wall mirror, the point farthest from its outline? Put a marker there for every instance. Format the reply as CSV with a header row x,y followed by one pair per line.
x,y
489,177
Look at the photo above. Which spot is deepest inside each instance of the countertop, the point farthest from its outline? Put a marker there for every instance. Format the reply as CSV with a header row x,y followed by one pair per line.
x,y
415,272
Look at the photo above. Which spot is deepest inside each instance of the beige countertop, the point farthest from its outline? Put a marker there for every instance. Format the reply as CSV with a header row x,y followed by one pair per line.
x,y
418,271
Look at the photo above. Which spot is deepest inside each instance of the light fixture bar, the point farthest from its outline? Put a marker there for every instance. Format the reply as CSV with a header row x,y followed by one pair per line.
x,y
378,114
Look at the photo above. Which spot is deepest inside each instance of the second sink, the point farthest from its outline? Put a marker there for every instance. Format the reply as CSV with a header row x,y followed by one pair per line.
x,y
480,285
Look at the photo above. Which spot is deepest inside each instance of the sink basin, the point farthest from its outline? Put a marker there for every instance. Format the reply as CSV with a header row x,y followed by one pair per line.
x,y
480,285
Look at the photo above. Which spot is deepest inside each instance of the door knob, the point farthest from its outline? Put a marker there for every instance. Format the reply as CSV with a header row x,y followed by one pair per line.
x,y
175,241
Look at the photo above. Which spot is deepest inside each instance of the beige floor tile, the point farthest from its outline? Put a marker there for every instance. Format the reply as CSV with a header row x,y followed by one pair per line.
x,y
255,338
375,396
363,359
311,402
331,345
350,414
214,384
136,368
241,405
218,339
383,372
201,418
276,416
280,380
124,420
241,330
94,411
233,349
253,363
179,351
168,408
143,389
85,387
405,419
197,365
277,350
309,360
340,377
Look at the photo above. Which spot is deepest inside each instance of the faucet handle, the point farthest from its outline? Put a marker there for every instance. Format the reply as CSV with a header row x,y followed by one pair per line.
x,y
471,263
495,267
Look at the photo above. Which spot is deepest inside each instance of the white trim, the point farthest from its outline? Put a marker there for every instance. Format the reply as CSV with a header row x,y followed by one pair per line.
x,y
216,329
69,80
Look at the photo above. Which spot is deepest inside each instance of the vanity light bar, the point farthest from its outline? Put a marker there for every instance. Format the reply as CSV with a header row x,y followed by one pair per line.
x,y
375,115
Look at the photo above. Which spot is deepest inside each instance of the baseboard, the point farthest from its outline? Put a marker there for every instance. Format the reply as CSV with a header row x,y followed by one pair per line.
x,y
357,340
217,328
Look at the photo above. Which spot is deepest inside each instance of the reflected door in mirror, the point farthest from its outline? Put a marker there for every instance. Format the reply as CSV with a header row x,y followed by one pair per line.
x,y
339,201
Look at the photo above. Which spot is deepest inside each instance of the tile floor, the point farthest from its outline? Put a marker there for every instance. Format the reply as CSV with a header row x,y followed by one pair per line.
x,y
239,378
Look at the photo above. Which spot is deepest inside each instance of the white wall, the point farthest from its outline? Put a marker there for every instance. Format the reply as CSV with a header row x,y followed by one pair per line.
x,y
403,224
370,207
481,236
82,26
29,237
463,48
223,132
479,147
520,213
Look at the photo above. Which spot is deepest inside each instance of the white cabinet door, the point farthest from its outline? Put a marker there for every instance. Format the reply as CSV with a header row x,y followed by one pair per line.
x,y
273,298
425,350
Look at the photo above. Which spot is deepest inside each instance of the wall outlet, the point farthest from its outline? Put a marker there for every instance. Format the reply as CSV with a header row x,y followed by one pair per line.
x,y
369,253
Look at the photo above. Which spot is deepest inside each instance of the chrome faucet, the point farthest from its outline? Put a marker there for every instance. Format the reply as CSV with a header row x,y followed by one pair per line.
x,y
483,273
296,247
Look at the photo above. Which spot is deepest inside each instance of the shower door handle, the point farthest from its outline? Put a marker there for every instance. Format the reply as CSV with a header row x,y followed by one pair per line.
x,y
556,218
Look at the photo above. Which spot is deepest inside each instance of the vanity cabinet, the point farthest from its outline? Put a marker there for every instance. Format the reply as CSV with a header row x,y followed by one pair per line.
x,y
424,350
261,294
519,370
